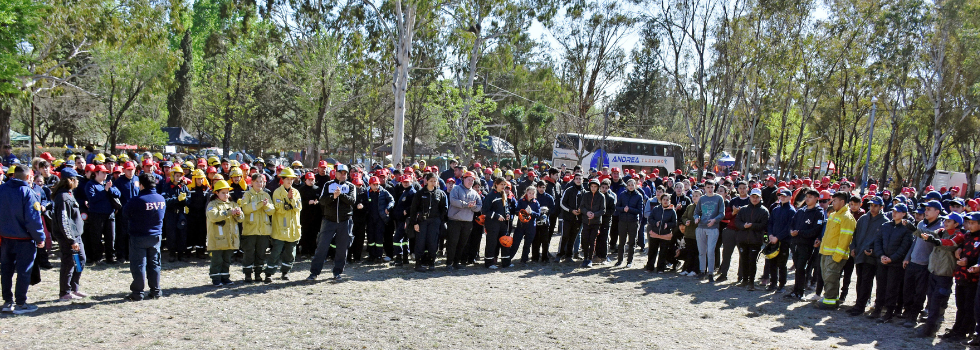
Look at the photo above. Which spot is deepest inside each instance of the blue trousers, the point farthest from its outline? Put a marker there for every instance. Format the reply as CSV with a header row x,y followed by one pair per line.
x,y
329,231
495,230
400,242
16,255
375,237
524,231
144,263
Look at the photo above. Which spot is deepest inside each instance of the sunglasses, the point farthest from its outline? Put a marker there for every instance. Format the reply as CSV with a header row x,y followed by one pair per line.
x,y
824,201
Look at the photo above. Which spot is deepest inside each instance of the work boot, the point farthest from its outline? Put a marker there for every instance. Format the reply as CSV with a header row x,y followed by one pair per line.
x,y
248,278
854,311
875,313
887,317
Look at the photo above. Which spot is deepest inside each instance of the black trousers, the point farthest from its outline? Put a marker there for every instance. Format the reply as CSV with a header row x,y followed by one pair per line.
x,y
916,288
541,244
889,279
590,233
122,238
614,236
802,253
356,250
472,250
966,292
100,236
747,256
388,238
845,282
728,247
69,277
457,236
602,240
940,289
777,266
626,239
495,229
866,273
570,229
692,258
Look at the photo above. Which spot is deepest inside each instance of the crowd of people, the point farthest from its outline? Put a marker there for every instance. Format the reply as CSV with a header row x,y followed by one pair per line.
x,y
916,249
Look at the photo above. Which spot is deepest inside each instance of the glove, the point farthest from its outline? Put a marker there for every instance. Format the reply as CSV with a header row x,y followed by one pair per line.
x,y
187,210
182,196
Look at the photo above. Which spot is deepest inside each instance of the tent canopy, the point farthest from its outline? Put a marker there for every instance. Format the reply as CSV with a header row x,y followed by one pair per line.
x,y
179,137
726,160
495,146
16,136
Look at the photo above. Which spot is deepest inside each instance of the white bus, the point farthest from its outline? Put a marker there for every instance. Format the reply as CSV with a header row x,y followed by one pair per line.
x,y
621,152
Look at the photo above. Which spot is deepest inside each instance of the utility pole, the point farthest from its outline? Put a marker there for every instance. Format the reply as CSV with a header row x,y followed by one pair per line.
x,y
871,132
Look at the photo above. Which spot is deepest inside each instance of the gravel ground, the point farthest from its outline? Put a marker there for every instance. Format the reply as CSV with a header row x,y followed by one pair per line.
x,y
378,307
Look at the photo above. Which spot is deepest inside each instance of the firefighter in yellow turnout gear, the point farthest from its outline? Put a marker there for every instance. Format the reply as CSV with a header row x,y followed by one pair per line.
x,y
835,248
223,218
257,206
285,225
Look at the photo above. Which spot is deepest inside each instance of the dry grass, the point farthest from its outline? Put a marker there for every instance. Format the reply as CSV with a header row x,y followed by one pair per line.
x,y
377,307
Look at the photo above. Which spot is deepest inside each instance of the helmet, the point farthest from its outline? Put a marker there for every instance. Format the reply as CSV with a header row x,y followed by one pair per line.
x,y
57,162
213,161
221,185
506,241
158,155
198,174
212,170
189,164
524,216
235,172
99,157
509,173
771,250
177,169
123,158
480,219
287,172
234,163
296,164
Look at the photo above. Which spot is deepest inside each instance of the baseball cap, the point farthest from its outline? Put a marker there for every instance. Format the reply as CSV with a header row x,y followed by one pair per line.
x,y
784,192
955,217
90,168
309,176
374,181
901,208
129,165
147,162
876,200
755,192
342,167
69,172
975,216
100,169
47,156
934,204
933,195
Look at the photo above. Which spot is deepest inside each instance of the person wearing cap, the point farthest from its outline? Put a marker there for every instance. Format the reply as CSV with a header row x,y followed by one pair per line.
x,y
425,215
916,262
629,207
377,203
942,265
464,204
149,167
223,236
67,230
750,224
602,241
257,207
708,214
780,223
22,233
177,195
286,230
592,205
835,248
310,216
337,200
128,186
890,246
769,192
101,197
145,213
967,275
404,193
450,172
866,261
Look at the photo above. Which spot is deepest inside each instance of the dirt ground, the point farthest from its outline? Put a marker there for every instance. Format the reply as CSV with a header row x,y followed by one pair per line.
x,y
552,306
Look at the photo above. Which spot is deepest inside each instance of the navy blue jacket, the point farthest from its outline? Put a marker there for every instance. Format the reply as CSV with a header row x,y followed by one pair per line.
x,y
781,220
127,188
810,223
404,203
893,241
633,200
532,206
145,213
98,197
547,201
21,214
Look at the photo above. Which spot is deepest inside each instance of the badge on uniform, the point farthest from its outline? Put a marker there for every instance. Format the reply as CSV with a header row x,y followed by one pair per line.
x,y
37,206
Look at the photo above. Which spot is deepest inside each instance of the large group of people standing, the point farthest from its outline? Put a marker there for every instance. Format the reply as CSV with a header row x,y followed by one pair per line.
x,y
916,249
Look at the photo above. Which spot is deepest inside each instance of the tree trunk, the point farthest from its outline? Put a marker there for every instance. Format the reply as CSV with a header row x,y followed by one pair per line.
x,y
177,98
5,112
405,23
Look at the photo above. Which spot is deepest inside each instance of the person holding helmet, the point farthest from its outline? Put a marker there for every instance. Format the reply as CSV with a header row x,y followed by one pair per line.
x,y
177,196
338,199
286,229
528,209
258,209
496,211
780,223
942,264
592,206
223,236
196,212
835,248
102,198
378,203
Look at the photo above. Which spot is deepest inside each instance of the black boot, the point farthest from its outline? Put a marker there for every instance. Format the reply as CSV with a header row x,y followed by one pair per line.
x,y
173,257
887,317
875,313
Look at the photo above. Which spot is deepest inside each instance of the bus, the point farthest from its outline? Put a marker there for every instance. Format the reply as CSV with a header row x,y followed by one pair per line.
x,y
620,152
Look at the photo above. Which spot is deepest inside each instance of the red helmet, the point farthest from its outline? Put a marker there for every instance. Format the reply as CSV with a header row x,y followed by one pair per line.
x,y
90,168
128,166
506,241
309,176
825,195
212,170
374,181
322,164
147,162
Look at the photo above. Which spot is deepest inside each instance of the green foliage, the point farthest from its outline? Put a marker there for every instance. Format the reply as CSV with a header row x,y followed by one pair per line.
x,y
18,20
448,103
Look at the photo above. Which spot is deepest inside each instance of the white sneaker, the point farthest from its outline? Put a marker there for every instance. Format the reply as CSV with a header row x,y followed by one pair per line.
x,y
7,308
493,267
386,259
813,297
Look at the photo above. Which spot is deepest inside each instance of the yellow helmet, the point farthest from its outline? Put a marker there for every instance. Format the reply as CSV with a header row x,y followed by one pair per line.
x,y
497,173
287,172
296,164
112,158
177,169
123,158
234,163
235,172
189,164
99,157
58,162
510,173
214,161
221,185
158,155
198,174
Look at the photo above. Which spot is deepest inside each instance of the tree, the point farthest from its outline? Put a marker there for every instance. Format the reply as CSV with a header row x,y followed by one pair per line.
x,y
525,129
448,104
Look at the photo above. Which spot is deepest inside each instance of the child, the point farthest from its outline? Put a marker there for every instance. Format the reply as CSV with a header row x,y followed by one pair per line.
x,y
942,264
257,207
223,218
286,229
967,274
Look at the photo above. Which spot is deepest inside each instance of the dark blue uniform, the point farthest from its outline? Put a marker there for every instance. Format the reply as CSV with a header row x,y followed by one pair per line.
x,y
21,232
145,214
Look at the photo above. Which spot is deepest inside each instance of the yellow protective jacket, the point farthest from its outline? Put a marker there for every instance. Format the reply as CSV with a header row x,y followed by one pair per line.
x,y
285,220
837,235
258,217
222,227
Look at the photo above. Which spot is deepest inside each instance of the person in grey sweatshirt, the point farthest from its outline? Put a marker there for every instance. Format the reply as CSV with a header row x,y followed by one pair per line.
x,y
464,201
708,214
916,262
